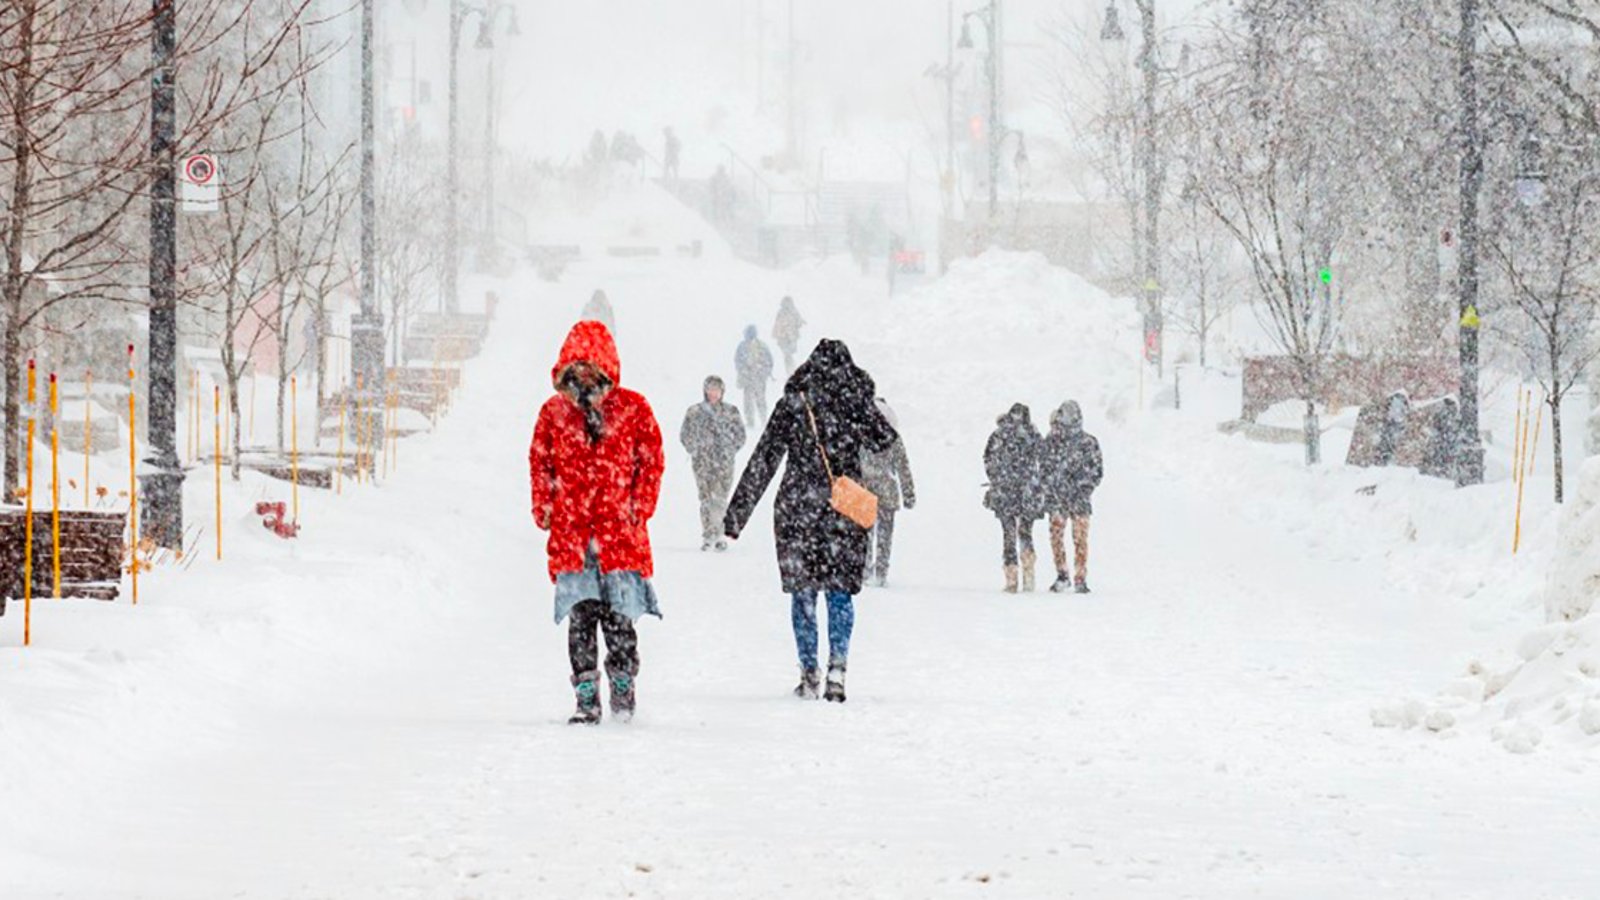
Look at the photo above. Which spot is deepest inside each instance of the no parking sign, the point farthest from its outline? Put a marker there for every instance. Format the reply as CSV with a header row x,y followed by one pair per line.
x,y
200,177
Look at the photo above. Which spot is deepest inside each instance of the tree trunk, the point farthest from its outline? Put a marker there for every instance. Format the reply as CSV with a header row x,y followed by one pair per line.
x,y
16,283
1313,435
1555,440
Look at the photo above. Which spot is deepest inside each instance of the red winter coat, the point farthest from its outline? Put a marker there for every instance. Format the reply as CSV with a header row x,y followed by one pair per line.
x,y
604,492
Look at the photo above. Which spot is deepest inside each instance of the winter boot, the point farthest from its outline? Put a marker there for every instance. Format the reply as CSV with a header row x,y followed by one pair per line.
x,y
720,545
621,696
810,682
1062,583
1028,562
834,692
1081,586
1011,579
587,687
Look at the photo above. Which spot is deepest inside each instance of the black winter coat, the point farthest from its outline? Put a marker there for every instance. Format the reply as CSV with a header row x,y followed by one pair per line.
x,y
1011,460
818,549
1072,470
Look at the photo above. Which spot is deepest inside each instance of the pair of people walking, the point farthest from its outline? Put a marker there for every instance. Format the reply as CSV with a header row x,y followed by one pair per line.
x,y
596,464
1033,476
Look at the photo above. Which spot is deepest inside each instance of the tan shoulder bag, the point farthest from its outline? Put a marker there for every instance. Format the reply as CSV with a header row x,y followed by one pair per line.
x,y
849,499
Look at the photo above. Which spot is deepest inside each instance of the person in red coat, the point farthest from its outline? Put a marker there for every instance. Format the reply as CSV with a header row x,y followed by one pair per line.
x,y
596,465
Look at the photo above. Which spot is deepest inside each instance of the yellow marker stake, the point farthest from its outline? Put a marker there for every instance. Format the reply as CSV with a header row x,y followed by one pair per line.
x,y
1538,423
216,448
1516,444
338,469
1516,534
133,482
88,432
294,448
362,427
27,548
55,491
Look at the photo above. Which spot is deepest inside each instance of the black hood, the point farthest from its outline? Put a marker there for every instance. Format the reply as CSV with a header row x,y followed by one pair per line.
x,y
1017,416
829,372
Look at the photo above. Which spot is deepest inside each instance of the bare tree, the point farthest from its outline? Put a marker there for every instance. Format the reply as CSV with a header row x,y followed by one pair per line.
x,y
1550,257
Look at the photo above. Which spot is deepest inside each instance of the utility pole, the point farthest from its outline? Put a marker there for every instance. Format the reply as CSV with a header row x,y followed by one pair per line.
x,y
366,326
1152,191
794,68
162,489
1469,454
452,233
490,247
997,128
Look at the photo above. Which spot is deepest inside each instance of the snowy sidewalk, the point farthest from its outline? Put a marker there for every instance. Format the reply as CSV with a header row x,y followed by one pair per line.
x,y
1197,727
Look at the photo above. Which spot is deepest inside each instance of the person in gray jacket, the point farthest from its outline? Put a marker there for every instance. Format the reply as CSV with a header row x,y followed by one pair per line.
x,y
887,474
713,432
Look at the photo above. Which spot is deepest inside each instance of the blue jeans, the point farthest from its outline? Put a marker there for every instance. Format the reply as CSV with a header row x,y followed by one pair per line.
x,y
841,621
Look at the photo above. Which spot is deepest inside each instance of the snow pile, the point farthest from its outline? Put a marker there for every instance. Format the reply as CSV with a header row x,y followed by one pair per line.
x,y
1005,328
1552,684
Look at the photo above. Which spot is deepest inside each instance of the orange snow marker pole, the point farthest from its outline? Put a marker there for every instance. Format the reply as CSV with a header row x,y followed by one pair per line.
x,y
1516,534
338,469
88,432
133,482
27,549
55,491
216,448
360,428
294,447
1516,443
1538,423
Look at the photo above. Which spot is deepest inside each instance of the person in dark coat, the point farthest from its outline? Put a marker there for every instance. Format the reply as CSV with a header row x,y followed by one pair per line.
x,y
887,474
1072,470
827,409
713,433
752,364
1015,494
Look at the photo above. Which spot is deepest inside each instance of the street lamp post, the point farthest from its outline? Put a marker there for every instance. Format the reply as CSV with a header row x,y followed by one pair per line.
x,y
162,489
1149,64
990,17
366,326
459,11
1469,455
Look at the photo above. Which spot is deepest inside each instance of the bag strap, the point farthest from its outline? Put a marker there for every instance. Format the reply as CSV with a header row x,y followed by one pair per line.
x,y
817,436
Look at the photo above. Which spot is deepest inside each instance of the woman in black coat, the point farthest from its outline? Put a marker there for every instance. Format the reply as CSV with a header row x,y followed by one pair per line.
x,y
818,549
1016,492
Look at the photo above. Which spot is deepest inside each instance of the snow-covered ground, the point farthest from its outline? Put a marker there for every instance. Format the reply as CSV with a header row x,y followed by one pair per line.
x,y
377,709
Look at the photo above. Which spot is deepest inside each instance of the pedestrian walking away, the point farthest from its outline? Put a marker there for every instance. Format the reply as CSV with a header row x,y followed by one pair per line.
x,y
598,309
669,156
752,364
887,474
713,433
1015,495
596,464
825,420
1072,470
786,331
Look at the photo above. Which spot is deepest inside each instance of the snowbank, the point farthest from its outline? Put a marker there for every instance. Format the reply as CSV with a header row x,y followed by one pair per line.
x,y
1551,685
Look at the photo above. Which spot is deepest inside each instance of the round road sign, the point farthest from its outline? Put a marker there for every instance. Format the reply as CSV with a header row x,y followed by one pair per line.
x,y
200,169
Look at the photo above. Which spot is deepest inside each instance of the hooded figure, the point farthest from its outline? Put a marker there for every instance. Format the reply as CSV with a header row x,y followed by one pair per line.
x,y
595,464
786,331
1072,470
887,474
1015,496
713,433
827,409
752,364
598,309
